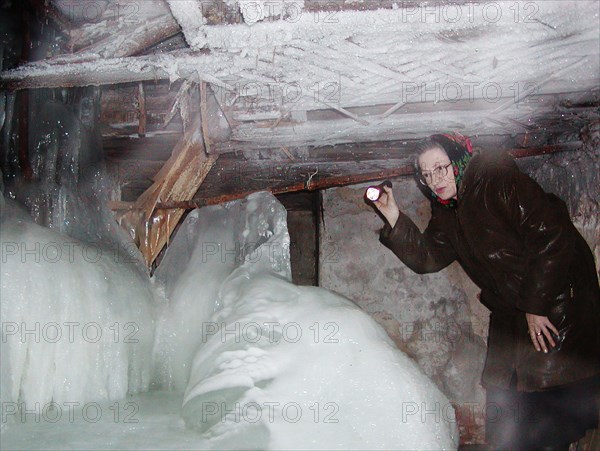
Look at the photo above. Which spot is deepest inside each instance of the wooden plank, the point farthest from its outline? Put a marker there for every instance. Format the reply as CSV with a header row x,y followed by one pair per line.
x,y
177,181
60,72
128,40
544,150
142,110
394,127
204,115
140,150
235,182
233,171
345,5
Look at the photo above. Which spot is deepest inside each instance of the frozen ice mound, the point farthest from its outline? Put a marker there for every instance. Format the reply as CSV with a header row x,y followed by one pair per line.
x,y
277,366
209,245
77,320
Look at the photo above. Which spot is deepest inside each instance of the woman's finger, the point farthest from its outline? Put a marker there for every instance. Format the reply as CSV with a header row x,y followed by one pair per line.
x,y
540,339
533,336
389,194
381,203
548,336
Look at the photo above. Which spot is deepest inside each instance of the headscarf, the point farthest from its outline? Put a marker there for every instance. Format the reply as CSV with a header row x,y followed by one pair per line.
x,y
460,152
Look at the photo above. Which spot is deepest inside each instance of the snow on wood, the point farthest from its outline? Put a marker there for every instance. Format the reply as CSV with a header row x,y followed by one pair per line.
x,y
367,54
100,19
474,68
131,39
188,14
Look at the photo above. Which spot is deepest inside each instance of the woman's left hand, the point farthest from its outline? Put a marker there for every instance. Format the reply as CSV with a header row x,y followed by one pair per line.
x,y
540,327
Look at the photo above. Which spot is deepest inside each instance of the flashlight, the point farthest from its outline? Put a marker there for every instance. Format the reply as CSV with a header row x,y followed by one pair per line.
x,y
373,193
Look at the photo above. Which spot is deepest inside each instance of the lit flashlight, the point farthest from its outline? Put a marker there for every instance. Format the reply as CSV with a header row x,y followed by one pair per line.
x,y
373,193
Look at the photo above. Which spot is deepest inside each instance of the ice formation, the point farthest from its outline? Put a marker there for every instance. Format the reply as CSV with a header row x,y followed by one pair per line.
x,y
210,244
76,303
279,366
77,323
253,360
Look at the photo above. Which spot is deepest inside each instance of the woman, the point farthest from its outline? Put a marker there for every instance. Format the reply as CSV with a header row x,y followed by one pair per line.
x,y
537,276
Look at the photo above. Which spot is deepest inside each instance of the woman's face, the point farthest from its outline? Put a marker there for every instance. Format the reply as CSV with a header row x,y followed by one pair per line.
x,y
438,173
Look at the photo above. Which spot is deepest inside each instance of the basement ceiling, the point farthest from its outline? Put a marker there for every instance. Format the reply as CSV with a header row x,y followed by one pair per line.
x,y
306,94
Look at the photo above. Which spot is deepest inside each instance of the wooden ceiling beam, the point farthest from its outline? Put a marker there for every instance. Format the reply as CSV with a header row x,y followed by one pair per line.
x,y
132,40
345,5
119,28
86,69
177,181
295,178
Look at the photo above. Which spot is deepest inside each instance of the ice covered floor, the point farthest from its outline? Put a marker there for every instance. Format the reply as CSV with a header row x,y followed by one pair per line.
x,y
146,421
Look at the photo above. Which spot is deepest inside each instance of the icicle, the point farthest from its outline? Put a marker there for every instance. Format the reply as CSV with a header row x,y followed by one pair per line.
x,y
48,173
2,94
10,110
2,108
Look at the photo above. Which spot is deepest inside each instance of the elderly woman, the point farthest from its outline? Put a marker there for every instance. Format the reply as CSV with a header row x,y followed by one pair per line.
x,y
537,276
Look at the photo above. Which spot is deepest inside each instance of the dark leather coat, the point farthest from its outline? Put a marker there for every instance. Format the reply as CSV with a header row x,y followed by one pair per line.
x,y
518,244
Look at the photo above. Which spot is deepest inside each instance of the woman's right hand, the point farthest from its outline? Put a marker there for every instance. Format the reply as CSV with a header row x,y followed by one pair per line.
x,y
388,207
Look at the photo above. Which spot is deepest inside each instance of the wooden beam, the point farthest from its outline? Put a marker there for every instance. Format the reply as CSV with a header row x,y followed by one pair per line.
x,y
177,181
300,186
317,183
204,116
142,111
90,70
48,75
134,39
544,150
331,6
119,32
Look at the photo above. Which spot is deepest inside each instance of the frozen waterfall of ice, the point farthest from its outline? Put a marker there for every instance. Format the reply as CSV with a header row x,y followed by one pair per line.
x,y
77,320
278,366
209,245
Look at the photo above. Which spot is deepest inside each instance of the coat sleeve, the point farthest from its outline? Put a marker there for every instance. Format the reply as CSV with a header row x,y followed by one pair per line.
x,y
542,222
425,252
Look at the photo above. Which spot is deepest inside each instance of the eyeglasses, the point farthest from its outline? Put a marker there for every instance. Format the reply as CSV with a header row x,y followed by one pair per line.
x,y
427,177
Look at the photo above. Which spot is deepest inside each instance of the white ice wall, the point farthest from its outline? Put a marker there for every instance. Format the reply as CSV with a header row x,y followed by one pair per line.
x,y
77,320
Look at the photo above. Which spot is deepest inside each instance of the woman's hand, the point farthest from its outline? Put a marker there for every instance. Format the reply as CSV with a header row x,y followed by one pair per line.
x,y
388,207
540,327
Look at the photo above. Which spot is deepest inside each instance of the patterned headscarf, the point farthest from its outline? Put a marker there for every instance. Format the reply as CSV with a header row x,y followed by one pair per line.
x,y
460,152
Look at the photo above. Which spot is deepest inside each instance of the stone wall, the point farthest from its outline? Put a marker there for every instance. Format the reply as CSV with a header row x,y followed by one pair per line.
x,y
434,318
